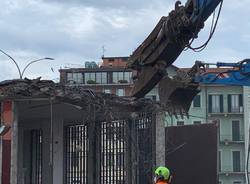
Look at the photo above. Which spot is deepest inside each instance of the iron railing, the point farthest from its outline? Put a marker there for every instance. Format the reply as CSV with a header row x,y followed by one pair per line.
x,y
231,138
36,161
76,154
231,169
113,152
123,152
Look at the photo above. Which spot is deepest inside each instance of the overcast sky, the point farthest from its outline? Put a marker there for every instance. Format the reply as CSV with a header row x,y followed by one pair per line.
x,y
74,31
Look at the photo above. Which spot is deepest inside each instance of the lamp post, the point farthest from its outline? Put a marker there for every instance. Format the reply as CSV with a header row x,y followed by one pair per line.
x,y
31,62
19,71
34,61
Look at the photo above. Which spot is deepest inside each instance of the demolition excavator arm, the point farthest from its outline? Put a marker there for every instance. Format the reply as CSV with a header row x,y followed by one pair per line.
x,y
165,43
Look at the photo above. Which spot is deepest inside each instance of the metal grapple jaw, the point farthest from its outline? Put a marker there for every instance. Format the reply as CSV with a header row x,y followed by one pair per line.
x,y
176,96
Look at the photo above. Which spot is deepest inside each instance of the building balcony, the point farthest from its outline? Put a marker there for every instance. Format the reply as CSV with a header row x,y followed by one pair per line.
x,y
225,114
216,113
236,110
229,169
233,111
227,139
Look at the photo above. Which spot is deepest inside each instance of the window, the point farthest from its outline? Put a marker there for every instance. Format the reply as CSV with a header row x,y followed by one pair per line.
x,y
235,103
236,130
90,78
108,91
120,92
96,78
236,161
237,182
115,77
121,77
127,76
197,101
215,103
197,122
180,123
219,161
101,77
75,78
70,78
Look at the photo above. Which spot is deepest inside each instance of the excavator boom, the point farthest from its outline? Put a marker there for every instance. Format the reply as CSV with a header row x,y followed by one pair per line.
x,y
166,42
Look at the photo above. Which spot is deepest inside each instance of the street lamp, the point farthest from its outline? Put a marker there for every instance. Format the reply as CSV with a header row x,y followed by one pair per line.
x,y
34,61
18,68
31,62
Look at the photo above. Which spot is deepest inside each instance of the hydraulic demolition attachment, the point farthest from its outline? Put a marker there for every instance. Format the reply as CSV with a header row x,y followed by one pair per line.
x,y
177,93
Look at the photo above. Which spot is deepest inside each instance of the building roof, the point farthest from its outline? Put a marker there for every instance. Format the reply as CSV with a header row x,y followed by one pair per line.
x,y
103,69
210,70
116,57
25,89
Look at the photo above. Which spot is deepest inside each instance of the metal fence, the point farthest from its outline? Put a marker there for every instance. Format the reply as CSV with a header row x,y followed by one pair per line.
x,y
76,154
145,131
113,151
36,156
124,152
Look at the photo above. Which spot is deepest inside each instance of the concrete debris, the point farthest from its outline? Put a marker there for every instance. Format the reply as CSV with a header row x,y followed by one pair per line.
x,y
76,95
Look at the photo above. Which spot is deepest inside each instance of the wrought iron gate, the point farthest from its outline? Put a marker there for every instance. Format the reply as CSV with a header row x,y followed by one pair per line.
x,y
76,154
145,131
113,151
124,152
36,138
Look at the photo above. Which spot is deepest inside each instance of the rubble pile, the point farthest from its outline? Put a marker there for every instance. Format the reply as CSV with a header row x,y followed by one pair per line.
x,y
75,95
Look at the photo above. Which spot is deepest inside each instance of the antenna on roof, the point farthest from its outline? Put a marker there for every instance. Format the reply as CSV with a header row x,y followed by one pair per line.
x,y
103,51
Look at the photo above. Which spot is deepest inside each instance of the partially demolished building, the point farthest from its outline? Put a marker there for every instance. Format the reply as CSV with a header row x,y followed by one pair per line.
x,y
65,134
72,135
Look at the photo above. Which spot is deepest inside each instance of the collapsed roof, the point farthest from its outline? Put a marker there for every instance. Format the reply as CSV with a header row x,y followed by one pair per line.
x,y
79,96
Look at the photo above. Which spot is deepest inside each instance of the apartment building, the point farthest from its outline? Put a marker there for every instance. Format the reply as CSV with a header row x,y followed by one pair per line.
x,y
111,76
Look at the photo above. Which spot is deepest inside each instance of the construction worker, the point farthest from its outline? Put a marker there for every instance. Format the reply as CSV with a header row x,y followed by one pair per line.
x,y
162,175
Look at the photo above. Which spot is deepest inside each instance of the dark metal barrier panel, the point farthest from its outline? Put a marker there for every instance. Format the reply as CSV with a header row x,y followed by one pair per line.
x,y
145,138
191,153
113,152
76,154
36,156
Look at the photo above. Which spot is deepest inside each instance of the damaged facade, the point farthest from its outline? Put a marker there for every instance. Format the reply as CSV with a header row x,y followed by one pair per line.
x,y
72,135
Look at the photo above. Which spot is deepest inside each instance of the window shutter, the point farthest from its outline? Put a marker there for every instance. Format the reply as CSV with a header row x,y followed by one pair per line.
x,y
209,103
229,103
221,103
240,100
